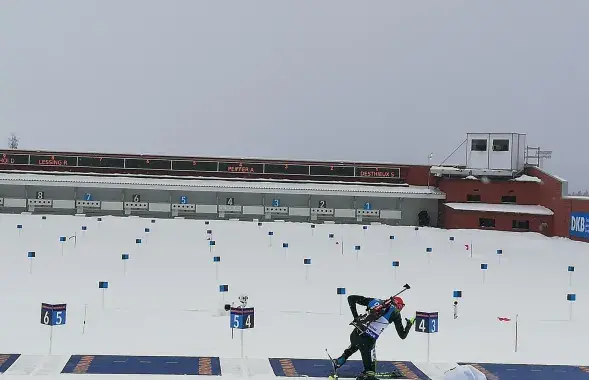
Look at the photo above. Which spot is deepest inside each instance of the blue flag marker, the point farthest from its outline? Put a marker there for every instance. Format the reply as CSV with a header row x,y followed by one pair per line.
x,y
364,228
103,285
223,288
307,263
84,228
484,266
331,236
43,217
429,250
211,245
270,234
312,226
392,237
357,249
209,232
19,226
499,251
395,266
451,238
62,239
571,297
31,256
571,269
99,219
147,230
217,259
341,292
137,241
259,224
457,294
284,245
125,257
206,223
153,221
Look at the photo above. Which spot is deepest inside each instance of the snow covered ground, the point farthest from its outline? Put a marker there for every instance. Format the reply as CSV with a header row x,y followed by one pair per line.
x,y
167,302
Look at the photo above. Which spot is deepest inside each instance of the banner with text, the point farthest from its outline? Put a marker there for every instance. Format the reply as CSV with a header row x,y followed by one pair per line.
x,y
579,225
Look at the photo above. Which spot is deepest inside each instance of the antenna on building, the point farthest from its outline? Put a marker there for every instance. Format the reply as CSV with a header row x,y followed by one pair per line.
x,y
13,141
535,155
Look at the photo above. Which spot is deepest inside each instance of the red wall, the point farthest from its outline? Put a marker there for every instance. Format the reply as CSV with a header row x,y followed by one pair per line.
x,y
550,194
503,222
457,189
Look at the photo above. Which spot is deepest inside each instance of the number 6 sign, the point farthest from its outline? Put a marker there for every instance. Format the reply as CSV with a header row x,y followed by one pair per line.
x,y
52,315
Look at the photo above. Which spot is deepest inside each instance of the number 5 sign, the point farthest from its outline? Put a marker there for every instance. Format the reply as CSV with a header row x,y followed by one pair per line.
x,y
242,318
53,315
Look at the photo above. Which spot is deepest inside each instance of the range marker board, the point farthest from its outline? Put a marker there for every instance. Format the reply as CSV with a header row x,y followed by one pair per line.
x,y
242,317
426,322
53,314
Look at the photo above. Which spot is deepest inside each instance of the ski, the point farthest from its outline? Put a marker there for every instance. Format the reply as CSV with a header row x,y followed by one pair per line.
x,y
334,375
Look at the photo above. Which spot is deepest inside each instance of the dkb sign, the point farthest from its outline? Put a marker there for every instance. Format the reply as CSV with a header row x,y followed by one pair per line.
x,y
579,225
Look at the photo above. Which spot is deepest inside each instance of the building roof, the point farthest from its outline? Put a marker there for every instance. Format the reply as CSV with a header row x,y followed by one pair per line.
x,y
200,184
501,208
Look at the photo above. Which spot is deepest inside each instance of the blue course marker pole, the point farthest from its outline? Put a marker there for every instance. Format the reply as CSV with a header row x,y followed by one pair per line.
x,y
285,246
571,297
217,261
103,285
223,289
19,228
212,243
209,235
484,268
357,249
395,266
341,292
312,230
499,254
270,234
571,270
138,242
62,241
125,257
391,240
429,254
307,264
31,256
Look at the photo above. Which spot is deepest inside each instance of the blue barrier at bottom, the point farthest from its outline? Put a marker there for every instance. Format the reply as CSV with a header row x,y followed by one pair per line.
x,y
322,368
495,371
6,360
142,365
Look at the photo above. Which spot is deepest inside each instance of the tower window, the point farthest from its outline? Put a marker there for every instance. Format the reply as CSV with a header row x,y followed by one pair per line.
x,y
479,145
501,145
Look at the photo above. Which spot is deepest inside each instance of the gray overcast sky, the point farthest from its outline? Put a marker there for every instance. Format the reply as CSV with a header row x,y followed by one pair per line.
x,y
352,80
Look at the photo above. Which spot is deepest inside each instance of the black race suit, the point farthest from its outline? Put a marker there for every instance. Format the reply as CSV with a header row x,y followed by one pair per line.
x,y
364,343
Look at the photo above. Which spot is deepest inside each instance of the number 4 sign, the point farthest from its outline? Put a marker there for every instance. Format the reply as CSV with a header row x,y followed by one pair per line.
x,y
426,323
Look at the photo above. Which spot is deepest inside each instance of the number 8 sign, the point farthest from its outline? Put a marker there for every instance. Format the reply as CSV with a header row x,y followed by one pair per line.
x,y
426,322
241,318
